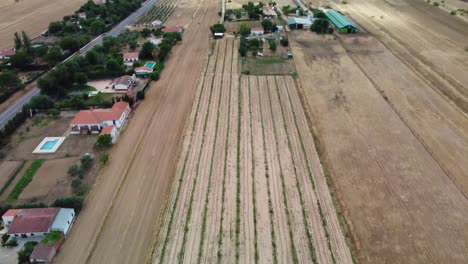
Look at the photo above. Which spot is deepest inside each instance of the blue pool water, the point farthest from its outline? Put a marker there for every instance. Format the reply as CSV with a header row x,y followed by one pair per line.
x,y
150,64
48,145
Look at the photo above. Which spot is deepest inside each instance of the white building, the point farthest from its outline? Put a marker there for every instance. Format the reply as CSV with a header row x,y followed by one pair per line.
x,y
130,56
94,120
257,31
63,221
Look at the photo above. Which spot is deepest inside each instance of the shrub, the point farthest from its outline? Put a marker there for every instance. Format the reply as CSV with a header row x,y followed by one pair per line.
x,y
73,170
104,141
25,252
11,243
53,112
5,239
453,12
284,42
244,30
75,202
76,183
436,3
104,158
273,45
140,95
81,173
86,161
217,28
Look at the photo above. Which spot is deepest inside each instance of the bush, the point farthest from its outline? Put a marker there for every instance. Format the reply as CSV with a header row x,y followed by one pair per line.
x,y
244,30
217,28
73,170
5,239
86,161
273,45
436,4
140,95
104,141
320,26
25,252
11,243
75,202
104,158
81,173
284,42
76,183
53,112
42,102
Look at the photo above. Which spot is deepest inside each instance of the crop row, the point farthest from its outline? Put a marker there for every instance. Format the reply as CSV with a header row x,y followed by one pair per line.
x,y
157,12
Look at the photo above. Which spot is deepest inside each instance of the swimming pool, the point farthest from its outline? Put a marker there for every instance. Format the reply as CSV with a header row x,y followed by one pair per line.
x,y
48,145
150,64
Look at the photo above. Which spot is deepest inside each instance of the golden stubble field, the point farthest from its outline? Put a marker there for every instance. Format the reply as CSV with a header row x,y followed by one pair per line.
x,y
32,16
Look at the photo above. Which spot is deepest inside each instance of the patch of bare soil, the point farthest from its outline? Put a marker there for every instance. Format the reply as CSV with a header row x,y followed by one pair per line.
x,y
6,170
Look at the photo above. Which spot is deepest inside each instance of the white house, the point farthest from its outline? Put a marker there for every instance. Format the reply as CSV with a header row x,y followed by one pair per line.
x,y
82,15
143,70
112,131
6,54
124,83
63,220
157,23
94,120
130,56
257,31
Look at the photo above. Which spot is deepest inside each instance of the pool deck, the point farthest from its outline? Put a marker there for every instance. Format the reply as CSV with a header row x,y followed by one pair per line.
x,y
52,150
152,64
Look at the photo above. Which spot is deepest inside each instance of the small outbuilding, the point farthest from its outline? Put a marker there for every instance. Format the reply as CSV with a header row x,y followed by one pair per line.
x,y
341,23
218,35
257,31
300,22
124,82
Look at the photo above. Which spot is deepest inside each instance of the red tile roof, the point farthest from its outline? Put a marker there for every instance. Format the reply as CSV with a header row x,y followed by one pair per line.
x,y
143,68
172,29
130,55
7,52
96,116
34,220
106,130
11,212
43,252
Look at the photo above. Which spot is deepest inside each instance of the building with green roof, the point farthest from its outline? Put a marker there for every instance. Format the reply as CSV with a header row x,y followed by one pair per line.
x,y
342,24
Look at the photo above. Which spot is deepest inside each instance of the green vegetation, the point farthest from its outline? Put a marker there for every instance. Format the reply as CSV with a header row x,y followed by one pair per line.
x,y
103,141
11,243
321,26
268,61
9,84
12,177
217,28
25,179
157,12
52,237
254,11
104,158
75,202
25,252
244,30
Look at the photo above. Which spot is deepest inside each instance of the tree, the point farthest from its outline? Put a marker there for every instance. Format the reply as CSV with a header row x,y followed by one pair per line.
x,y
55,27
112,65
147,50
26,42
53,56
75,202
18,41
70,43
76,183
164,51
319,13
255,43
146,32
133,44
273,45
218,28
25,252
81,78
320,26
20,60
86,161
92,57
53,112
104,158
97,27
140,95
284,42
73,170
244,30
9,82
104,141
42,102
267,25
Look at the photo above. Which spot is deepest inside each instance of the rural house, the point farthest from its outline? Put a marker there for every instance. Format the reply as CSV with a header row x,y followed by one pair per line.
x,y
257,31
38,222
269,12
124,83
130,56
143,70
173,29
300,22
6,54
341,24
157,23
94,120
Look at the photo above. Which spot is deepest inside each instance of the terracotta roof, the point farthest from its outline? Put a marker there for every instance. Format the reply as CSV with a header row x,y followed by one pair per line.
x,y
130,55
172,29
106,130
143,68
42,252
34,220
11,212
97,116
7,52
257,29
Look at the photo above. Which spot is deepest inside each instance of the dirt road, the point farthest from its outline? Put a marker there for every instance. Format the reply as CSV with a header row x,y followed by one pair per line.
x,y
401,204
31,16
122,211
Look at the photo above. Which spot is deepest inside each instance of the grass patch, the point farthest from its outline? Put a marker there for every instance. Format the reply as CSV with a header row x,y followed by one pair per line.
x,y
267,66
12,177
25,179
52,237
82,88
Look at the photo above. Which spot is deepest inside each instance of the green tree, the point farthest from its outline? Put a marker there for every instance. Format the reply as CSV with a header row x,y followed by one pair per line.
x,y
112,65
25,252
104,140
244,30
53,112
18,41
53,56
218,28
73,170
140,95
26,42
42,102
104,158
9,82
146,51
75,202
284,42
146,32
319,13
92,57
86,161
55,27
273,45
267,25
81,78
70,43
164,50
255,43
20,60
320,26
97,27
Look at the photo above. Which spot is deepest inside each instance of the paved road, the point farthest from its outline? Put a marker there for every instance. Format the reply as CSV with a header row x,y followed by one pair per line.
x,y
10,112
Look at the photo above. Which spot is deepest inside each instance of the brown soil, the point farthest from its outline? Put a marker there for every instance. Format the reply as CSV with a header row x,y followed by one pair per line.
x,y
50,182
31,16
13,183
6,170
278,204
121,213
387,139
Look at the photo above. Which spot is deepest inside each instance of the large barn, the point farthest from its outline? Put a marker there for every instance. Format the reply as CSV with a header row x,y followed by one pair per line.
x,y
342,24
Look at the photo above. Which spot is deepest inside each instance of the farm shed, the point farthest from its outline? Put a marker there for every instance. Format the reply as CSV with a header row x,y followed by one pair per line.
x,y
342,24
299,22
218,35
257,31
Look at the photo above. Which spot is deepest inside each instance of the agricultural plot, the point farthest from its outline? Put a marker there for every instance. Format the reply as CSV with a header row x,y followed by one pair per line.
x,y
249,186
158,12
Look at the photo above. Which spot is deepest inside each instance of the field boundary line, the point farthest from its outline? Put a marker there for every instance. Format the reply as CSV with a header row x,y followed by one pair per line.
x,y
12,177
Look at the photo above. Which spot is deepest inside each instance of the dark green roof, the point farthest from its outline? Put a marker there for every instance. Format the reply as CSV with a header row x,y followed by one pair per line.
x,y
338,20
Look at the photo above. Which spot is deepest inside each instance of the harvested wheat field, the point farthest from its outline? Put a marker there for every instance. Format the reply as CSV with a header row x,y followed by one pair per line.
x,y
121,213
249,186
32,16
379,126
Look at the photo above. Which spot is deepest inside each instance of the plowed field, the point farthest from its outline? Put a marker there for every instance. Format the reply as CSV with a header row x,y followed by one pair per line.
x,y
249,185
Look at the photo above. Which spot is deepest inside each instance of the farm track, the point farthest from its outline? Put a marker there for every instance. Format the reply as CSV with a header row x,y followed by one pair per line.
x,y
243,194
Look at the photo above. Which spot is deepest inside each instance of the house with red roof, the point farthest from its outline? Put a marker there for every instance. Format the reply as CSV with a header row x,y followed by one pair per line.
x,y
6,54
173,29
143,70
95,120
110,130
38,222
130,56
